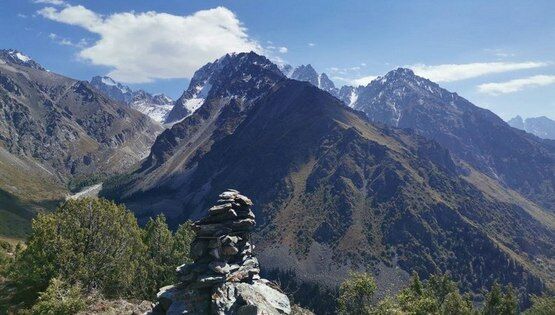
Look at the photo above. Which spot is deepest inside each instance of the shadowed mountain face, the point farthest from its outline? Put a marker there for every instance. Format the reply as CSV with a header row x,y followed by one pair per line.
x,y
333,192
54,130
474,135
542,127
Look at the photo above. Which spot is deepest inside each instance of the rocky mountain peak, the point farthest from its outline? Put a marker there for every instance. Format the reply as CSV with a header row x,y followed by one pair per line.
x,y
217,77
322,81
385,98
306,73
286,69
405,78
401,72
17,57
114,90
516,122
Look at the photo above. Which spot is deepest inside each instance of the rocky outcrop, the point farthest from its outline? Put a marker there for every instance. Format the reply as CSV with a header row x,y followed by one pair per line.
x,y
224,277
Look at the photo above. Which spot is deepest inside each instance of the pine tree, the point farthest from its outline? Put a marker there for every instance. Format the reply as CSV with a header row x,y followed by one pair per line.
x,y
355,294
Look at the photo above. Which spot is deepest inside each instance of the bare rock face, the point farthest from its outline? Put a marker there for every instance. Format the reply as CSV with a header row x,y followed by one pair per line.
x,y
224,277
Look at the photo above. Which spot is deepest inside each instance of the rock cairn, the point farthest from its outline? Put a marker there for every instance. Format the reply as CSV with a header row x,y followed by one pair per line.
x,y
224,277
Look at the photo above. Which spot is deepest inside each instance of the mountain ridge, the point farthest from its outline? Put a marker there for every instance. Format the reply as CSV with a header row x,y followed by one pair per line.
x,y
155,106
333,187
475,135
57,133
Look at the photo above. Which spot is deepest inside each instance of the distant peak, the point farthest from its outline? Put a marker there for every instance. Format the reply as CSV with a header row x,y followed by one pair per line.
x,y
401,72
17,57
307,67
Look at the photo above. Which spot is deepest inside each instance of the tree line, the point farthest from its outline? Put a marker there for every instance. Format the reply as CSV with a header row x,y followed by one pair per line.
x,y
94,247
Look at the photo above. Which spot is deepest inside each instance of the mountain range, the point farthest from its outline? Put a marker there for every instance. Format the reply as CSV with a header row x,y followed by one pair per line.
x,y
396,176
412,178
155,106
57,133
542,127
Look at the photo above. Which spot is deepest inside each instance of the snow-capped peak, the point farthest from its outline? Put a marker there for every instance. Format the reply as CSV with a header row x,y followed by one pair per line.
x,y
155,106
108,81
17,57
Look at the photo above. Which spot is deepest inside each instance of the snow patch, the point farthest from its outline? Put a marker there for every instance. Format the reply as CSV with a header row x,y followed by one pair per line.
x,y
108,81
353,98
22,57
193,104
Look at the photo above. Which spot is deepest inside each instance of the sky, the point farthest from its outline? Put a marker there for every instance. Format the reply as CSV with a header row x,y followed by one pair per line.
x,y
498,54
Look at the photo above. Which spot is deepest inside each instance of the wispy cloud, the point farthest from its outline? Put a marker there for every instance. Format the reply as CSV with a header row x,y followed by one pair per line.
x,y
52,2
496,88
456,72
500,53
311,44
141,47
66,42
281,49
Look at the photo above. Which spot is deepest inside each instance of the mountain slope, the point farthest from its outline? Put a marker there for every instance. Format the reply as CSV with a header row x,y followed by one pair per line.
x,y
56,131
333,192
542,127
474,135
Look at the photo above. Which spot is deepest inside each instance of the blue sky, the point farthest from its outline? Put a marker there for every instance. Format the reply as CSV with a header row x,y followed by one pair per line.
x,y
499,54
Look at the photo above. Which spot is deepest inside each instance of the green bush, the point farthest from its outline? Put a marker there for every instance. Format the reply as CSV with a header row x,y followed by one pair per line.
x,y
59,299
438,295
355,294
4,256
499,302
165,251
544,305
91,241
97,244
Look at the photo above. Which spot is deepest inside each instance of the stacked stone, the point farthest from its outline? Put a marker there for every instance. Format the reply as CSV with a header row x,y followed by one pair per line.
x,y
222,250
224,277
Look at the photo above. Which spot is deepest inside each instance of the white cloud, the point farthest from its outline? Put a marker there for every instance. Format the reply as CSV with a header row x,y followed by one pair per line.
x,y
311,44
364,80
511,86
52,2
66,42
456,72
21,15
141,47
271,48
356,82
498,52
